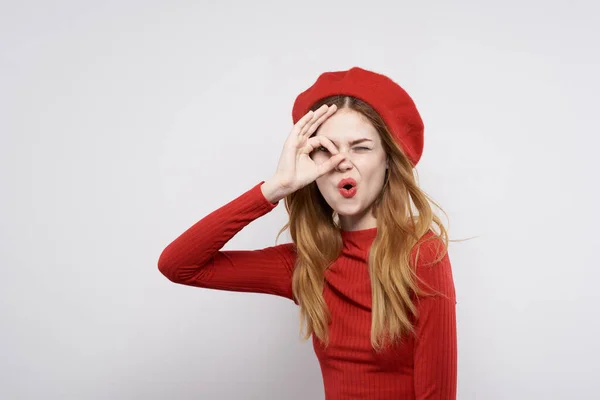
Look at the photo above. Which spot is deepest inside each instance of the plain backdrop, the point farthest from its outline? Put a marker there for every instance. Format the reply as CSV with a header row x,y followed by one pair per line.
x,y
124,122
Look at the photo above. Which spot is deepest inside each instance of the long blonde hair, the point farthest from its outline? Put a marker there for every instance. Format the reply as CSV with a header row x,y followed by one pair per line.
x,y
316,235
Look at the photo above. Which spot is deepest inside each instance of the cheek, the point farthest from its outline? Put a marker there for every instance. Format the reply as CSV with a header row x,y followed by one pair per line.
x,y
374,176
321,184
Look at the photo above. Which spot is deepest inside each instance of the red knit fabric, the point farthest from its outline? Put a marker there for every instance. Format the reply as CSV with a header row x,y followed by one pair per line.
x,y
419,368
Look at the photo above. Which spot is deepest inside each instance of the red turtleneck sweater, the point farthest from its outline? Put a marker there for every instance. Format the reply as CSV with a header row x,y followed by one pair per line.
x,y
422,367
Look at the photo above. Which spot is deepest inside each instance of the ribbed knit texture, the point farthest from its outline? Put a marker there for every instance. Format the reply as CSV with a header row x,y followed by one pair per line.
x,y
419,368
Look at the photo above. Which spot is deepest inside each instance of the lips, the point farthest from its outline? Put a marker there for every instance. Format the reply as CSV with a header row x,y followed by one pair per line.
x,y
346,181
347,187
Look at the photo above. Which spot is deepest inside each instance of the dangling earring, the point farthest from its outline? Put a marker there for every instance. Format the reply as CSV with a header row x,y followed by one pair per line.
x,y
335,219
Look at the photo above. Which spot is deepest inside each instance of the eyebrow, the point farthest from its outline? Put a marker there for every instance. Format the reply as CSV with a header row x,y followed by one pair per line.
x,y
355,141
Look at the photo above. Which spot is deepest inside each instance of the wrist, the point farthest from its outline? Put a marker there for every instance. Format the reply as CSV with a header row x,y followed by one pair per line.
x,y
273,191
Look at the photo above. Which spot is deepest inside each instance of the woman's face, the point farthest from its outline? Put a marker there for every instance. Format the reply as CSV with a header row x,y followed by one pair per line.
x,y
365,163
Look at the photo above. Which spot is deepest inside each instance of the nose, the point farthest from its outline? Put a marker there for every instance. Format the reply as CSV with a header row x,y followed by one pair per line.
x,y
345,164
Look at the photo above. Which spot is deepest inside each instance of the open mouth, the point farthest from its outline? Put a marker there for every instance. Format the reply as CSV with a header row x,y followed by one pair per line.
x,y
347,189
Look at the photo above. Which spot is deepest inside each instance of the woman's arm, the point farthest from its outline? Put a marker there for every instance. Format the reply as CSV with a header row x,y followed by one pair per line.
x,y
195,257
435,355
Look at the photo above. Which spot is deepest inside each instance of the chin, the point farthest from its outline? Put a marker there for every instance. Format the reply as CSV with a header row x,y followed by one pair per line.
x,y
348,209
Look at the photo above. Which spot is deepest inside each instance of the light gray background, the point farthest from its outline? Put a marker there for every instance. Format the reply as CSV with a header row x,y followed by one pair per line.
x,y
124,122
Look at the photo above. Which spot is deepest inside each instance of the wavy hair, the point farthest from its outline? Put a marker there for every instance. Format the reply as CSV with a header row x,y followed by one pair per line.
x,y
404,216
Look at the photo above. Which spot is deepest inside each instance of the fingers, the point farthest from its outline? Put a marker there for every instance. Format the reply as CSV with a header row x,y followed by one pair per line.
x,y
317,141
325,142
303,121
312,127
318,117
330,164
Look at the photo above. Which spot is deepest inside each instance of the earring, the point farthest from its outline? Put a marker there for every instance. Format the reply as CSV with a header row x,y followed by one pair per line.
x,y
336,219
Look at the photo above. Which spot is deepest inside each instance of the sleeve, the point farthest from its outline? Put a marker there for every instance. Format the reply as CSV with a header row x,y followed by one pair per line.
x,y
195,257
435,355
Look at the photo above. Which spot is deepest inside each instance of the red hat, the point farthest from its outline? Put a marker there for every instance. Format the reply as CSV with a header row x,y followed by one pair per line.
x,y
393,104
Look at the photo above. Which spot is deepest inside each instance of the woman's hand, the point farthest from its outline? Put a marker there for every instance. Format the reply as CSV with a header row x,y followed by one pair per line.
x,y
295,168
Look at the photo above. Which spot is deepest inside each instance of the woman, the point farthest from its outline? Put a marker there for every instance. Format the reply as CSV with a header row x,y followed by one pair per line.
x,y
368,265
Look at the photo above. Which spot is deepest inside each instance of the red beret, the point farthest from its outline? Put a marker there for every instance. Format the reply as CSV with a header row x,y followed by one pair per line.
x,y
393,104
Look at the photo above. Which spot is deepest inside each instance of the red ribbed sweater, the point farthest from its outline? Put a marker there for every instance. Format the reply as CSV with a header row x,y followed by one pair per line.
x,y
422,367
